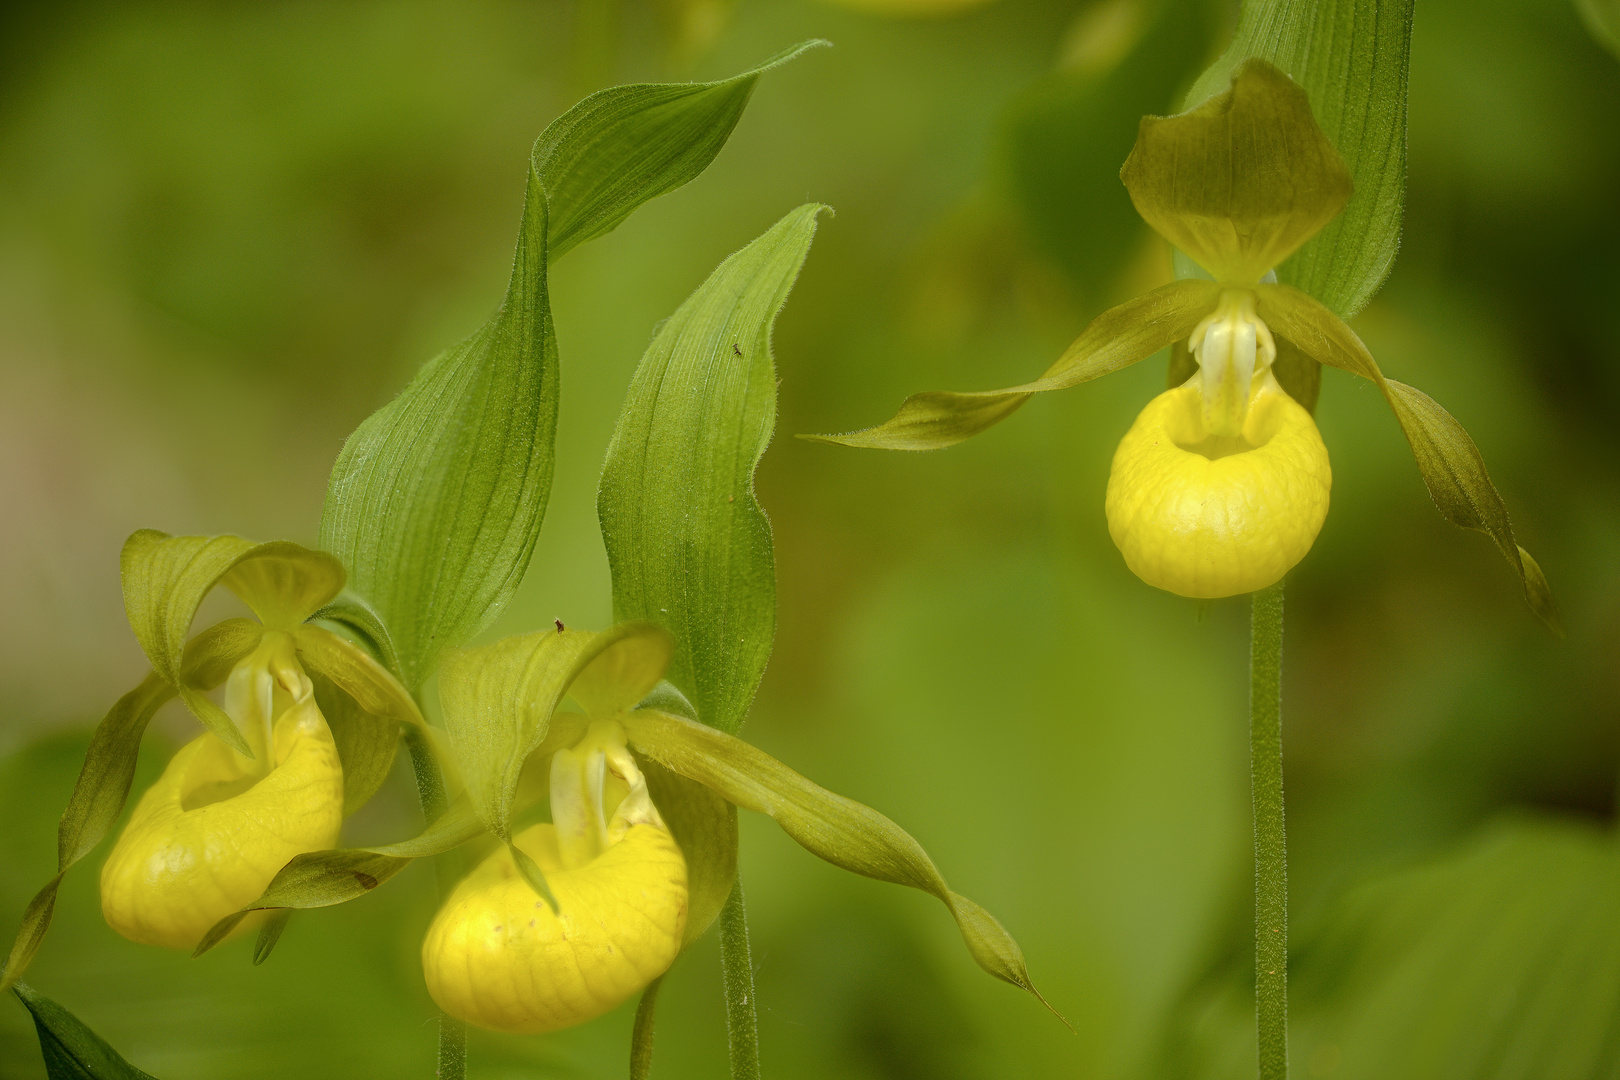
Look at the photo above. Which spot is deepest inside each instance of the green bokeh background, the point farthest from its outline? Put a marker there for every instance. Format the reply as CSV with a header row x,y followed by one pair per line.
x,y
227,233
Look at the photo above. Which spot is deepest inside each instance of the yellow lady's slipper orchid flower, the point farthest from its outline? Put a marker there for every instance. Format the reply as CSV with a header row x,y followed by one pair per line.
x,y
216,827
272,779
1221,485
499,957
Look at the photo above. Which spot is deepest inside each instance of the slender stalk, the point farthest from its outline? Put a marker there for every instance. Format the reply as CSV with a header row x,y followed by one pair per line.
x,y
737,972
431,790
1270,834
641,1036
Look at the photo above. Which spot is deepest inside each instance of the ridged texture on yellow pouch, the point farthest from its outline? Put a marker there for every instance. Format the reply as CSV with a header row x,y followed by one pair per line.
x,y
1218,523
206,839
499,958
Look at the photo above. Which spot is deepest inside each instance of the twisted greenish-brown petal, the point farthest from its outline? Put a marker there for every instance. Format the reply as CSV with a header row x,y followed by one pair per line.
x,y
324,878
1118,338
839,830
1241,181
498,699
109,769
1451,464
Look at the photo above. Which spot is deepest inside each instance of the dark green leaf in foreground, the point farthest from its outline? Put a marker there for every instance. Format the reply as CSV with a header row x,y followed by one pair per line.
x,y
1498,962
435,501
1351,58
71,1050
688,543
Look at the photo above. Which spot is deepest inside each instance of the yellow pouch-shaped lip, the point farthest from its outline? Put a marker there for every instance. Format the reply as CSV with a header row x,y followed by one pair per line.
x,y
206,839
499,958
1209,517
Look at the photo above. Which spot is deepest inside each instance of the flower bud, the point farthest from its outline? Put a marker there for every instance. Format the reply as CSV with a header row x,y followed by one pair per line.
x,y
206,839
1206,514
498,956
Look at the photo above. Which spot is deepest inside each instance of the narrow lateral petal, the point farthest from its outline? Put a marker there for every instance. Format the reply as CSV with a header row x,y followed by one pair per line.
x,y
839,830
1451,464
1118,338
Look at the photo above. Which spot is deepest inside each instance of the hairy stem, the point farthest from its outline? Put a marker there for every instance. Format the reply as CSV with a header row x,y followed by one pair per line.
x,y
1270,835
641,1036
737,972
430,789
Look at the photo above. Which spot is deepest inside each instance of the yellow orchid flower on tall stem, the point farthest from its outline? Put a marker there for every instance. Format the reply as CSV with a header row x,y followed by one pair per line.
x,y
1221,485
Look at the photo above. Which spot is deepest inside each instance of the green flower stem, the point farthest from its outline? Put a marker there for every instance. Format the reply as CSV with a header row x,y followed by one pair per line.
x,y
435,800
1270,836
641,1036
737,972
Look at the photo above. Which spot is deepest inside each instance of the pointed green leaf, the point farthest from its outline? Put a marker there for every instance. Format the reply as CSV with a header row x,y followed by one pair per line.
x,y
1118,338
435,501
1241,181
1451,464
71,1050
1351,58
625,145
324,878
498,701
109,770
688,543
842,831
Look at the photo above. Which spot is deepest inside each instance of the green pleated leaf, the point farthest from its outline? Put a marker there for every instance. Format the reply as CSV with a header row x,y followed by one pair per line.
x,y
1500,961
71,1050
1452,466
166,578
1241,181
687,541
499,699
1118,338
435,501
839,830
104,780
1350,56
324,878
1602,19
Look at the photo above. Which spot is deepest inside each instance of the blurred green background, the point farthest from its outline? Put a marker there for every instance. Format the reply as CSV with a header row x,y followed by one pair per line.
x,y
229,232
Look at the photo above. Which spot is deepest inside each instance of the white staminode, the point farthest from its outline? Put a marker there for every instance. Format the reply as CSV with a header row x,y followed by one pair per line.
x,y
1233,346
